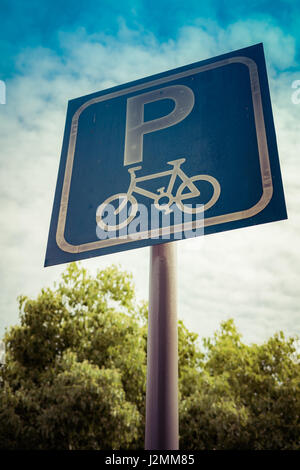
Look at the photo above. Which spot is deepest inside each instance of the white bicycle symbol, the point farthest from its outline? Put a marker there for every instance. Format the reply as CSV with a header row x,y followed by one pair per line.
x,y
160,196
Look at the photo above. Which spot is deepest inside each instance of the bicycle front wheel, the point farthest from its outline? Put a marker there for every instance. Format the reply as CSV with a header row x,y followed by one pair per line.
x,y
204,206
121,205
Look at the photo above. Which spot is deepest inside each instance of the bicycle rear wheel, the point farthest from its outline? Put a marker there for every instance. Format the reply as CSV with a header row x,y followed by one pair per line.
x,y
114,210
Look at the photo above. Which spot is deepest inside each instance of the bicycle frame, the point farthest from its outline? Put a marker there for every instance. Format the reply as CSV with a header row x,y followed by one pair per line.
x,y
174,172
161,193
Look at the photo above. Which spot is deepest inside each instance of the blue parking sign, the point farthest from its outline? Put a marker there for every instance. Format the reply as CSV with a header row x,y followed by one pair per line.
x,y
187,152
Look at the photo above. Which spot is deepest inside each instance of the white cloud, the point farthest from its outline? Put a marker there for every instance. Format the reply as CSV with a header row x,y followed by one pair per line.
x,y
250,274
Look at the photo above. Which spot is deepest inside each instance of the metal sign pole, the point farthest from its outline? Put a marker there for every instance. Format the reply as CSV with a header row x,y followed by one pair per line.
x,y
162,351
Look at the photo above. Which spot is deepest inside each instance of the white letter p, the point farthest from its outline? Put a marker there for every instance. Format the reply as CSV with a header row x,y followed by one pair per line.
x,y
184,100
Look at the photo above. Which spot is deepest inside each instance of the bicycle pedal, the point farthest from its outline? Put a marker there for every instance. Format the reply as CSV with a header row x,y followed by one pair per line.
x,y
161,190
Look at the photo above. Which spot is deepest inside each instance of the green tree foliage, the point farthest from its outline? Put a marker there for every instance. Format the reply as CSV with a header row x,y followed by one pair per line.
x,y
246,397
75,376
75,367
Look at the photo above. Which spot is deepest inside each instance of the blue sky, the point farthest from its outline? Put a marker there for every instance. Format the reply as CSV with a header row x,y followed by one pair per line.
x,y
51,52
32,23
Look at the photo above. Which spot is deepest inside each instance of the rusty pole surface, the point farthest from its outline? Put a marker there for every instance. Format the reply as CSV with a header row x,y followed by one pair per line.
x,y
162,351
